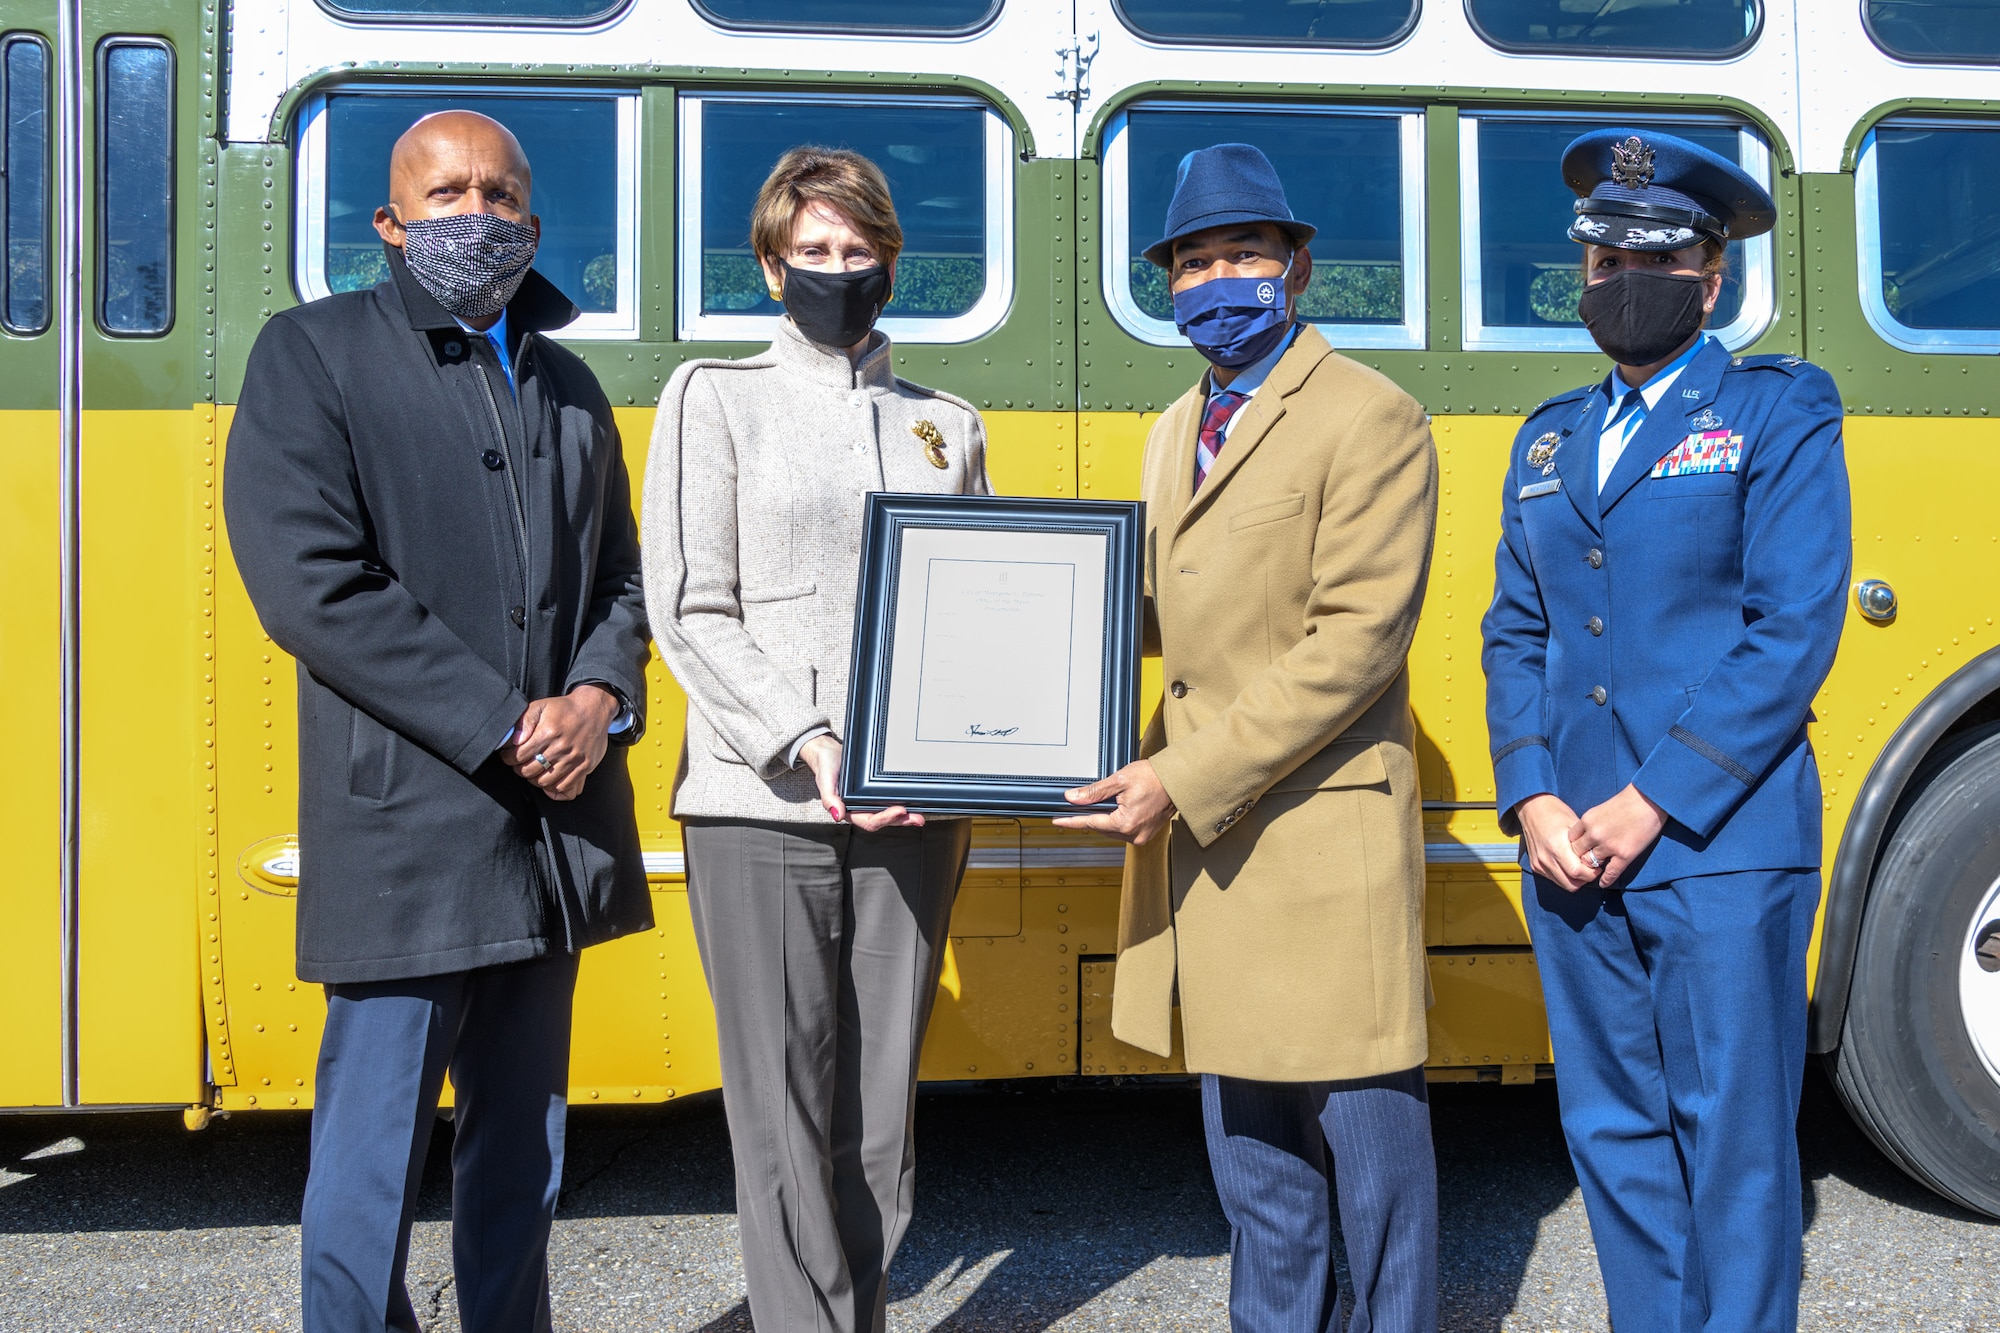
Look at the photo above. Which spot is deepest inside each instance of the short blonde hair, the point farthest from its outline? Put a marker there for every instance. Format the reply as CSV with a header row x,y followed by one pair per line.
x,y
838,176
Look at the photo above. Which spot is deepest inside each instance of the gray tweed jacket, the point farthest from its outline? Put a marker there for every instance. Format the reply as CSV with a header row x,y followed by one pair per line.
x,y
751,533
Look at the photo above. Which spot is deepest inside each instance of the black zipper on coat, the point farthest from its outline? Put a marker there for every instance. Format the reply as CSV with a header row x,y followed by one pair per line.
x,y
520,520
552,875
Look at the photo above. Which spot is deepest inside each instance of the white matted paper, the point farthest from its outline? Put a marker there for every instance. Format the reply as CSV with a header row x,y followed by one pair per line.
x,y
997,655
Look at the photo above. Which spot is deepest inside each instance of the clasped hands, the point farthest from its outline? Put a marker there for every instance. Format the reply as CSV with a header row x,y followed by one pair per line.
x,y
1561,846
559,742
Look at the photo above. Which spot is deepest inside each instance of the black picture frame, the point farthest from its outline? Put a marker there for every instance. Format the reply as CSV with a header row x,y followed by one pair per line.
x,y
865,783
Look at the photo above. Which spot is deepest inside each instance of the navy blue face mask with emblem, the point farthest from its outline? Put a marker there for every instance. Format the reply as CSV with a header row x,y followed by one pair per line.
x,y
1234,321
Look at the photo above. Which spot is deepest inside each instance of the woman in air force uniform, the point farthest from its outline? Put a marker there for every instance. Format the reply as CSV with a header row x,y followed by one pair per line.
x,y
1670,589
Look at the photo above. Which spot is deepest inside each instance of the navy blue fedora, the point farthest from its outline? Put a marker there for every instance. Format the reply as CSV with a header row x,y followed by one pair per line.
x,y
1230,182
1642,190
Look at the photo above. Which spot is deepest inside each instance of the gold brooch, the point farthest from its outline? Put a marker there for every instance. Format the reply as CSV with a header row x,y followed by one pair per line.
x,y
933,439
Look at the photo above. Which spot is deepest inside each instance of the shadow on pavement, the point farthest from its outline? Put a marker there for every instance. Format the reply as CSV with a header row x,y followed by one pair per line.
x,y
1032,1200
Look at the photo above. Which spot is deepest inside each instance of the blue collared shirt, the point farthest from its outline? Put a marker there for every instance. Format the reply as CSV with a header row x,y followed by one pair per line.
x,y
1622,423
497,335
1251,378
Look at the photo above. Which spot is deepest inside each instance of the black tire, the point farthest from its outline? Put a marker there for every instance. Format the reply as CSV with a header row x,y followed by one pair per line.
x,y
1910,1071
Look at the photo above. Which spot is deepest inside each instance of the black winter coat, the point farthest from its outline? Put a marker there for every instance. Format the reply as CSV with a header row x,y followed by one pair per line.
x,y
436,553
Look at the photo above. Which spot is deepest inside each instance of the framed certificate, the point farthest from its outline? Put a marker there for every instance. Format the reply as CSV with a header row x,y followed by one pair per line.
x,y
996,653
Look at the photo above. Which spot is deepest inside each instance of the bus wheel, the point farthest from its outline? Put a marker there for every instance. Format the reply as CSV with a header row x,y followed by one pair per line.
x,y
1919,1059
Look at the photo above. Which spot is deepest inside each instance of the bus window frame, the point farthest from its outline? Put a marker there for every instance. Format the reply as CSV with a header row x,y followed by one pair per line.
x,y
101,247
1166,42
1760,307
904,30
309,190
1742,48
1409,335
1904,58
7,41
1868,250
988,313
494,22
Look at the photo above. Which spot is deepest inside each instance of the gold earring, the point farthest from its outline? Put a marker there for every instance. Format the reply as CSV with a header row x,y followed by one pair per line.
x,y
776,295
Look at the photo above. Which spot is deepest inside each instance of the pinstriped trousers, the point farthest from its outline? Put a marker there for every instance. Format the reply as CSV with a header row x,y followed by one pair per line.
x,y
1267,1145
822,946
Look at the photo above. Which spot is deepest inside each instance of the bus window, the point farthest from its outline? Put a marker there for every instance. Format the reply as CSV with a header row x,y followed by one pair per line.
x,y
24,184
949,164
1357,175
1927,197
582,147
1271,22
1963,31
493,12
1523,274
928,17
1697,28
135,187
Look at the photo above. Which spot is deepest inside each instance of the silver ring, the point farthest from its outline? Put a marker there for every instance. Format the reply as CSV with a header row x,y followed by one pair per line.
x,y
543,760
1591,857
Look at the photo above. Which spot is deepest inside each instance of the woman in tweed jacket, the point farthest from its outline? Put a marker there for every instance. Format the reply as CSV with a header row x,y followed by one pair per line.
x,y
821,930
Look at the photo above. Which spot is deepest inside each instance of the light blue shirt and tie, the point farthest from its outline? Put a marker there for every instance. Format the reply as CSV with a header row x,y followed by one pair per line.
x,y
1629,407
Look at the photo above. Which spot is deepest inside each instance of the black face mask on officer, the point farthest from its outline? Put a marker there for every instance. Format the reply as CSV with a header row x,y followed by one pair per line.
x,y
1639,317
835,309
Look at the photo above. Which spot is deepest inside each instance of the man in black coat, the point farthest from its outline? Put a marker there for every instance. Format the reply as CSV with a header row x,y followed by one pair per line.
x,y
428,504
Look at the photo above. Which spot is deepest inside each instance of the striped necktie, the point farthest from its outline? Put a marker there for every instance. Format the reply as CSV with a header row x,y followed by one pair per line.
x,y
1630,416
1214,420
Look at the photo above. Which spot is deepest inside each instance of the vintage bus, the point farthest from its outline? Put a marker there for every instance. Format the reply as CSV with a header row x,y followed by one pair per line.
x,y
177,170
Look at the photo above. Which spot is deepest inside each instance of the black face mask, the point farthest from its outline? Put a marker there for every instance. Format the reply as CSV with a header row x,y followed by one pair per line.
x,y
835,309
1639,318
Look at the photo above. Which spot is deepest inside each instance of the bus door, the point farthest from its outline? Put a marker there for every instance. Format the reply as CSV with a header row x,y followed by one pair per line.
x,y
33,432
143,503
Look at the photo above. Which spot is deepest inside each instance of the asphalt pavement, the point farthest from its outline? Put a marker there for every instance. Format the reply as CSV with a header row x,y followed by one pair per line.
x,y
1085,1208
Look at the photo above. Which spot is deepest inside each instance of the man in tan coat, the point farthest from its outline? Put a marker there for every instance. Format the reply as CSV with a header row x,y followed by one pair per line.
x,y
1276,879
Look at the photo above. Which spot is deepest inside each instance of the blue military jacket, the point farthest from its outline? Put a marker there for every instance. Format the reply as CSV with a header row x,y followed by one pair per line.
x,y
1672,631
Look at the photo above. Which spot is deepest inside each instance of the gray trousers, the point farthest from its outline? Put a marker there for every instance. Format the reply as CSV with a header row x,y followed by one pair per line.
x,y
503,1032
822,946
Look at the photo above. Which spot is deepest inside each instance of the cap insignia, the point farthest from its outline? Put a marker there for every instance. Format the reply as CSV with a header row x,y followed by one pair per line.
x,y
1632,164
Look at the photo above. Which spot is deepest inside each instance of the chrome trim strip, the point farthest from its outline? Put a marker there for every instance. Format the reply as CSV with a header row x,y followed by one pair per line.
x,y
660,865
1117,237
69,414
1472,853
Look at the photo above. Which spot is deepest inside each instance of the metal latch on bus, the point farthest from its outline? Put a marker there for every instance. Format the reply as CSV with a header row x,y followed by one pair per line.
x,y
1073,69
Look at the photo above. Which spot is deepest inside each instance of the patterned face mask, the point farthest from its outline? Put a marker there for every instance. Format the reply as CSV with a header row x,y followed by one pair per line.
x,y
473,263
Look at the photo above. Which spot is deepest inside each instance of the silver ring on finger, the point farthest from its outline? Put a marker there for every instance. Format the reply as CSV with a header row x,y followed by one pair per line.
x,y
1595,864
544,761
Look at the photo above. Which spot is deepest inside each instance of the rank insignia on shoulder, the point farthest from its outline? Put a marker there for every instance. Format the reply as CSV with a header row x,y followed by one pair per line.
x,y
1705,420
1791,361
1705,451
1543,450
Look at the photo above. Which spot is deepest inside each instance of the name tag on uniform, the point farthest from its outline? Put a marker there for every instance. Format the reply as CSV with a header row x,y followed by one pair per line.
x,y
1549,487
1707,451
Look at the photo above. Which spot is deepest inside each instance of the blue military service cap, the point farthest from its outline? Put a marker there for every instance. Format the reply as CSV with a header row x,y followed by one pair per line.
x,y
1643,190
1228,183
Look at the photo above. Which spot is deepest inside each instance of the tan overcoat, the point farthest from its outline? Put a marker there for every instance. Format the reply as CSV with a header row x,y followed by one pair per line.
x,y
1287,901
